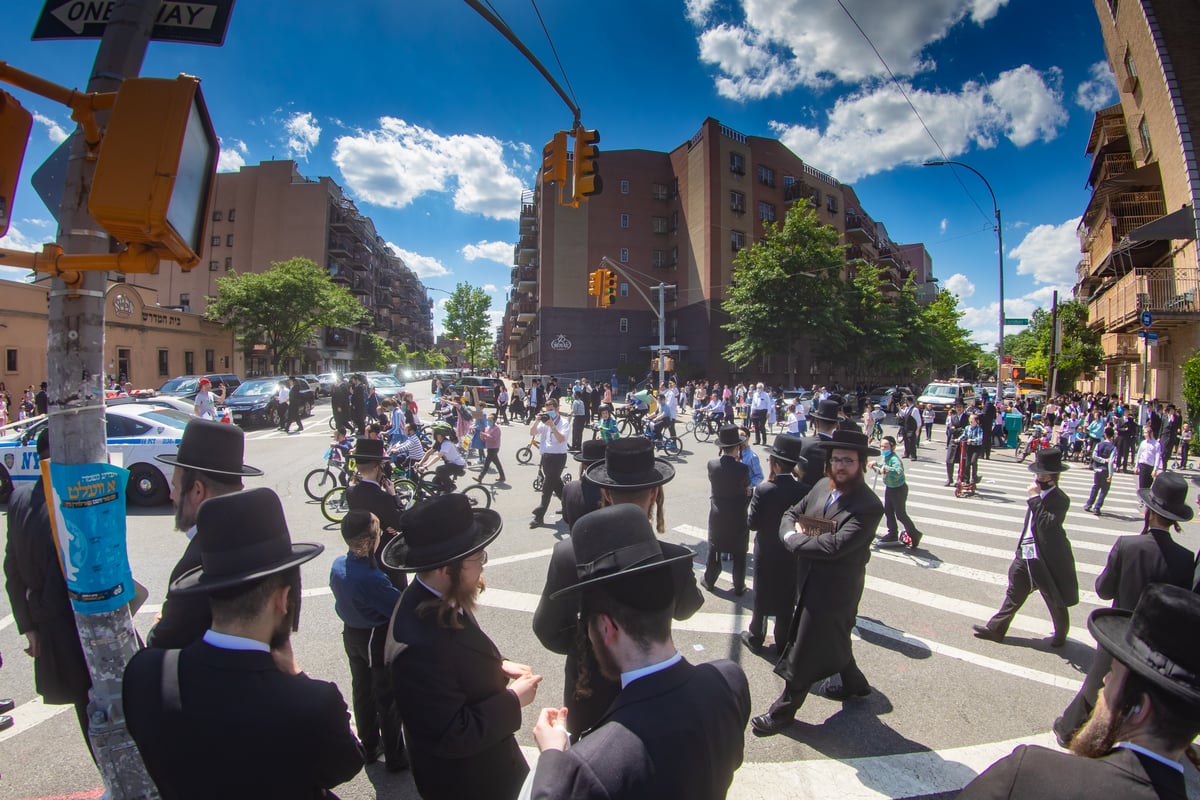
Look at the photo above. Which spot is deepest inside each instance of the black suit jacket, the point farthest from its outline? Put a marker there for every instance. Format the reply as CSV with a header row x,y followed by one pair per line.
x,y
245,730
1035,773
774,566
729,481
1136,561
814,471
371,497
1054,568
459,717
184,617
579,497
678,733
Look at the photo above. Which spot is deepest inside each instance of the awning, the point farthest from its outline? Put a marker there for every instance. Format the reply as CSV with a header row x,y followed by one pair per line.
x,y
1179,224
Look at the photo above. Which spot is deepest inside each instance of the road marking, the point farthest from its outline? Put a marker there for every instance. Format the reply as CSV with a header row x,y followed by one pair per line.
x,y
29,715
995,552
979,514
1010,535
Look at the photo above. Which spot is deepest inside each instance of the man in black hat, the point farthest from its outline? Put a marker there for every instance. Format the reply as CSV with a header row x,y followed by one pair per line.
x,y
829,532
460,699
208,464
339,403
582,496
375,493
774,566
1044,558
1134,563
628,475
232,714
729,482
1145,718
675,729
295,408
824,419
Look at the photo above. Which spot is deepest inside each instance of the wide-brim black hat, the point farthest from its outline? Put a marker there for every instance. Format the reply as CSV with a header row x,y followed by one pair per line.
x,y
1156,641
440,531
1167,497
828,410
213,447
612,544
591,451
1048,461
243,538
368,449
843,439
787,448
731,436
630,464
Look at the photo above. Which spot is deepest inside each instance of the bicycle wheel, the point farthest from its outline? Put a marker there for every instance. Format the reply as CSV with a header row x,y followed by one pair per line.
x,y
566,478
318,482
537,483
480,496
1022,451
626,427
703,432
406,494
690,427
335,504
671,445
525,455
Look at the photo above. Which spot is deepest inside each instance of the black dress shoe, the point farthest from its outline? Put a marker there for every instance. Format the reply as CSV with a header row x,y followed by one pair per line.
x,y
372,754
1058,641
984,632
7,705
766,725
707,584
753,644
838,692
398,762
6,722
741,590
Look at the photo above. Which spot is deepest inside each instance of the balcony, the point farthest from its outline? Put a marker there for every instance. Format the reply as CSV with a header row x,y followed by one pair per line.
x,y
383,299
859,229
1113,219
1169,294
340,246
1121,347
1109,166
526,310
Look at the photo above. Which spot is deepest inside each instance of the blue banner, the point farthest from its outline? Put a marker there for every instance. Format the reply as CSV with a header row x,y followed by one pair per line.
x,y
88,515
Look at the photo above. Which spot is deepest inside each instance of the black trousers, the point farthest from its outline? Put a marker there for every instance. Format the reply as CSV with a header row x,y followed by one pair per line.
x,y
578,426
282,409
1080,709
911,440
293,415
758,622
796,692
493,457
1145,474
371,692
712,570
759,420
1020,586
1100,483
1124,447
894,500
446,473
553,465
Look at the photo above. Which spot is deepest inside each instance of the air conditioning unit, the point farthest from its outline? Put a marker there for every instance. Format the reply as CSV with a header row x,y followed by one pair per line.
x,y
1129,84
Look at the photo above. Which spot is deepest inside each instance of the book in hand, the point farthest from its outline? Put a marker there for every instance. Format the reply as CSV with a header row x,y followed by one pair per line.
x,y
814,526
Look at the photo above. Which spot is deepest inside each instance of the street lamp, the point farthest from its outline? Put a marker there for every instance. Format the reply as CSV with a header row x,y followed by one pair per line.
x,y
1000,247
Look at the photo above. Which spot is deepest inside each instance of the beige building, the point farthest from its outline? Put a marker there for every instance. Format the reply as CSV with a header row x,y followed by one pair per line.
x,y
270,212
1138,233
144,342
678,218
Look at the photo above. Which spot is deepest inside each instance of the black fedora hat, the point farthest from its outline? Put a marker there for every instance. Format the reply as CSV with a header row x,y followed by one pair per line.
x,y
843,439
630,464
614,543
213,447
787,448
592,451
440,531
1167,497
243,537
1048,461
828,410
368,449
731,436
1156,641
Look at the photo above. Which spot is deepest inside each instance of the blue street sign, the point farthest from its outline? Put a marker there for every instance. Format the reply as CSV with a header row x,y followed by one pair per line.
x,y
1149,336
1147,319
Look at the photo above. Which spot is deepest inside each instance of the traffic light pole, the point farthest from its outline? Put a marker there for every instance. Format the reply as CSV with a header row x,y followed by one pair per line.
x,y
660,312
75,371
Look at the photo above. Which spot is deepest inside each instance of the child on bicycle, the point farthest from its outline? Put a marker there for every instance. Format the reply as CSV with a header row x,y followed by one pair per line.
x,y
445,449
342,445
607,426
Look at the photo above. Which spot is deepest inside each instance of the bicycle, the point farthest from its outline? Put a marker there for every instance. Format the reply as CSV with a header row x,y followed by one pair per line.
x,y
540,480
701,426
427,485
336,472
668,444
525,454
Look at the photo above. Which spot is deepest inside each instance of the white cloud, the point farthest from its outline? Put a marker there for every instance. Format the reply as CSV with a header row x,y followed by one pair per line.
x,y
874,129
424,266
1049,253
1099,90
17,240
500,252
303,134
960,285
398,162
35,221
983,322
945,223
232,156
778,45
57,133
490,288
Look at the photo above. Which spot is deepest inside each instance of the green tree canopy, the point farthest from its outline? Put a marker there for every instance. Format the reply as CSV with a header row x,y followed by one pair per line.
x,y
467,320
942,340
374,353
282,307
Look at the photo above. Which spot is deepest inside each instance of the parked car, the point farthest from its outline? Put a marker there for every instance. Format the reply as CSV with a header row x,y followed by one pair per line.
x,y
164,400
138,431
187,386
480,391
942,395
885,396
385,386
254,401
327,381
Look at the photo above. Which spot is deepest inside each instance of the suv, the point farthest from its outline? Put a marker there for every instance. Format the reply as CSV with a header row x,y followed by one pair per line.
x,y
479,390
187,386
942,395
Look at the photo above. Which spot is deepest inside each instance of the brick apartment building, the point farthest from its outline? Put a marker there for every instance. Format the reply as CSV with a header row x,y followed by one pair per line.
x,y
1138,233
678,218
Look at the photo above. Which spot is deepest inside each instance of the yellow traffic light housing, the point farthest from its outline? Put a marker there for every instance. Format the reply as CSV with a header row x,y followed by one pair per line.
x,y
587,175
15,124
156,167
554,160
610,287
594,281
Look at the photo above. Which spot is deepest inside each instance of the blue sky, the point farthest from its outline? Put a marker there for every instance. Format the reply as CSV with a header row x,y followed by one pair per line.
x,y
434,123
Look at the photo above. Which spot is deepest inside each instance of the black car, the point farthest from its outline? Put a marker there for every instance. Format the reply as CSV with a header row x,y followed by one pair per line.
x,y
188,386
254,401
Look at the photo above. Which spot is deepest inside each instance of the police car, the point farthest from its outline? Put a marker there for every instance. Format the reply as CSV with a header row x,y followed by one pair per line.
x,y
137,432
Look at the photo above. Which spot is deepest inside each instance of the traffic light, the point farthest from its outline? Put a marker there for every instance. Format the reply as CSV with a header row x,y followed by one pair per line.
x,y
595,279
610,288
15,123
587,175
156,166
1018,374
554,160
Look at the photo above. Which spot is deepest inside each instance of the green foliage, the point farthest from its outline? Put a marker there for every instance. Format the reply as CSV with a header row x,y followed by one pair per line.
x,y
942,341
1191,387
433,359
283,307
374,353
467,320
1080,346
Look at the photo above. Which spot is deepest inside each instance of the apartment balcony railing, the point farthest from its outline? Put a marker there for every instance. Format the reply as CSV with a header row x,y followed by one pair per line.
x,y
860,229
1168,293
1110,165
1121,347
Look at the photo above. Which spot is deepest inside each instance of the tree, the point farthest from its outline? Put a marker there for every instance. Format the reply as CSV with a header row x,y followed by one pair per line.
x,y
946,344
282,307
374,353
434,359
467,320
1191,387
786,291
1080,345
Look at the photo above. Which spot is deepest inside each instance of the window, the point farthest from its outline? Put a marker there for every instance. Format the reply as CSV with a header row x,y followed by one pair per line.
x,y
185,299
1144,138
216,241
816,198
189,362
766,212
624,187
10,359
737,240
212,266
675,221
231,213
623,325
788,180
660,258
228,264
216,216
661,192
1112,8
1130,69
831,203
622,358
674,256
624,255
624,220
210,361
624,289
737,202
229,240
737,163
766,175
660,225
164,370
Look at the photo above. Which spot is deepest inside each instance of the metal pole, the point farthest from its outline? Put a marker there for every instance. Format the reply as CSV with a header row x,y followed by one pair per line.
x,y
75,368
1053,345
662,330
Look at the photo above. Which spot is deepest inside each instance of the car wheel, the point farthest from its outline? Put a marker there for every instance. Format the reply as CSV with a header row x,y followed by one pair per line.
x,y
147,486
271,416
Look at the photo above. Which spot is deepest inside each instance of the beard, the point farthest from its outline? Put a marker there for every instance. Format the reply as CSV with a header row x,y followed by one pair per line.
x,y
290,621
1098,735
849,483
604,659
185,517
465,597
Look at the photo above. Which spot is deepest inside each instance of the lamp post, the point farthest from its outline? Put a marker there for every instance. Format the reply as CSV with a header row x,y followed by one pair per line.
x,y
1000,248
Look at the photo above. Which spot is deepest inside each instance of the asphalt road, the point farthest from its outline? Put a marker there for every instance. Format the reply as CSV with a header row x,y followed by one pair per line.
x,y
945,704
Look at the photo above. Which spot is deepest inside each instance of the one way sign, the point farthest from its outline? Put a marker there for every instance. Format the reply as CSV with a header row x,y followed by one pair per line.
x,y
202,22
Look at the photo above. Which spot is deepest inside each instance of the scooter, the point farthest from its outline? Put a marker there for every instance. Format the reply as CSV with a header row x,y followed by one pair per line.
x,y
963,486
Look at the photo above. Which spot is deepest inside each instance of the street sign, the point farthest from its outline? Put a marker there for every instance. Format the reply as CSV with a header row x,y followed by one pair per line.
x,y
1016,321
49,178
665,353
1147,319
202,22
1149,336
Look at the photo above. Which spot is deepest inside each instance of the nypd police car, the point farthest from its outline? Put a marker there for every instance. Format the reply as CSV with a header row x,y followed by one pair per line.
x,y
137,432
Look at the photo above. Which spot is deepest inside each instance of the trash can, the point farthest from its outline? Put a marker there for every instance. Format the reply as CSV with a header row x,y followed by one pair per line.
x,y
1013,422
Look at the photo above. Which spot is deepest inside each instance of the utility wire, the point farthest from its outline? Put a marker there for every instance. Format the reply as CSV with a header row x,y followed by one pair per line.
x,y
920,119
554,50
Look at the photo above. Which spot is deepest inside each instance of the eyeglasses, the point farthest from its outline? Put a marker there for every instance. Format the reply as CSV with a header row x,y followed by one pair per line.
x,y
480,558
843,462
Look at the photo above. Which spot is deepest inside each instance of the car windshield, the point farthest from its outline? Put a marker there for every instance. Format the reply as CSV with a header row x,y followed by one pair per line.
x,y
180,386
171,417
255,389
385,382
941,390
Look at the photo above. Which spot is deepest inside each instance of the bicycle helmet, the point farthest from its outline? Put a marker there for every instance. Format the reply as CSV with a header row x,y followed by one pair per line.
x,y
1037,416
443,428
